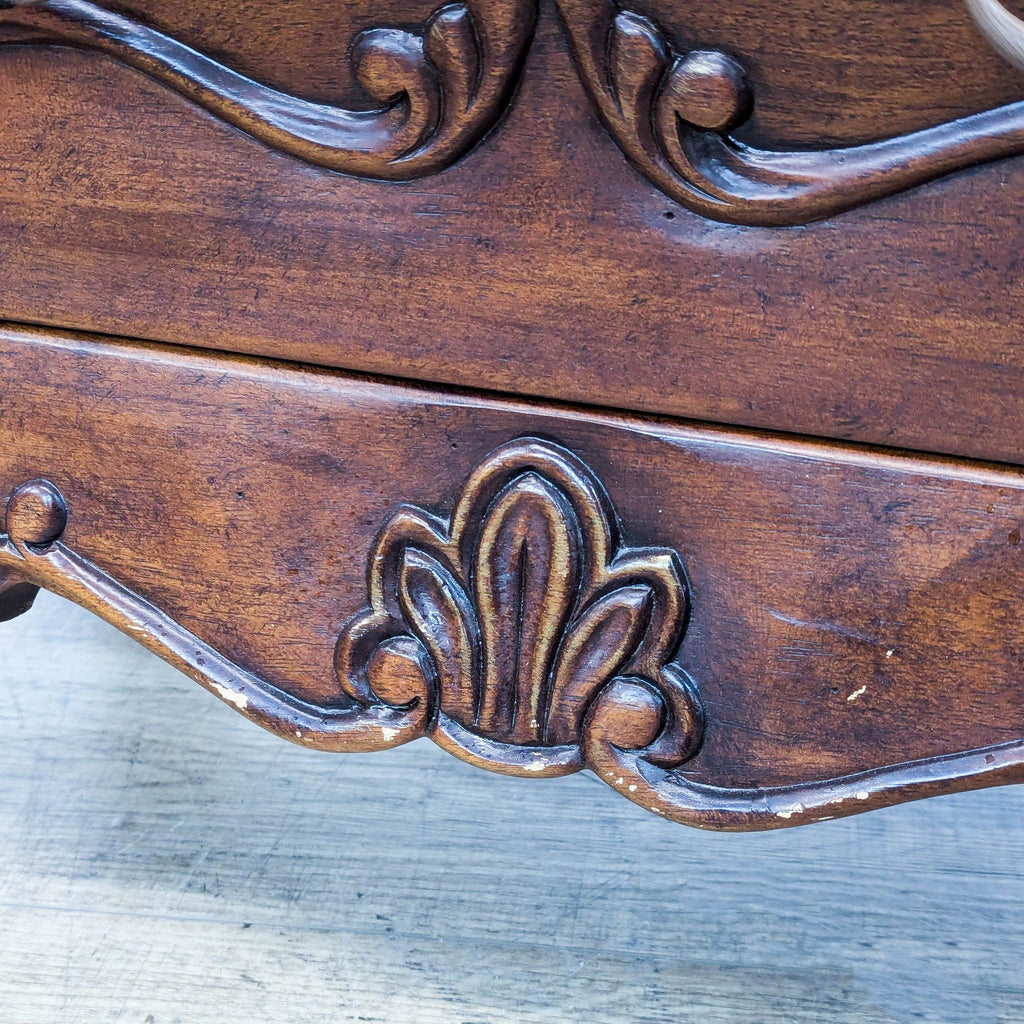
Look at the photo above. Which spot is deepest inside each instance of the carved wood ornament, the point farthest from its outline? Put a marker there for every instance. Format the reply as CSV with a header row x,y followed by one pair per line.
x,y
519,632
673,114
441,90
521,620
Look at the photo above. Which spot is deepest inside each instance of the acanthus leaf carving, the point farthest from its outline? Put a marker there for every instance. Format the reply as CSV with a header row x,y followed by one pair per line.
x,y
440,90
525,607
550,678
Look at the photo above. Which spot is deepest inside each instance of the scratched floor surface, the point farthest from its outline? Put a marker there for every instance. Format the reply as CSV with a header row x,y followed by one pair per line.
x,y
165,861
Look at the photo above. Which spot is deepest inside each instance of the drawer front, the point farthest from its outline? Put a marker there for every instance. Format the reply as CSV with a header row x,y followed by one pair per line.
x,y
732,629
513,223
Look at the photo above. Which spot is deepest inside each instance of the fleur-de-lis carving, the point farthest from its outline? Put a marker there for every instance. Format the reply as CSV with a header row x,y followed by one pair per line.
x,y
510,618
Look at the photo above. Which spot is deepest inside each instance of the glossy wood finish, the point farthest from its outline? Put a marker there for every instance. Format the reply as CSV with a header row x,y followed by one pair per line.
x,y
822,75
440,90
673,115
855,624
542,263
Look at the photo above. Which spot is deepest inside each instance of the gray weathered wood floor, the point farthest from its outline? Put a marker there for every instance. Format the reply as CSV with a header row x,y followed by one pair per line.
x,y
165,861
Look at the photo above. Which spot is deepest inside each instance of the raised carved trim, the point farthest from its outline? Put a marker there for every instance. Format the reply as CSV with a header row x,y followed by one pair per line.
x,y
523,597
440,91
673,113
518,612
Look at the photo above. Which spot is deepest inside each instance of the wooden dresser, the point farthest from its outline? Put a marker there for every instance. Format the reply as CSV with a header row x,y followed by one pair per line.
x,y
636,389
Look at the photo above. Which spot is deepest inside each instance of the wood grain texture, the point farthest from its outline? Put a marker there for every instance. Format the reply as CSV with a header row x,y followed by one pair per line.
x,y
553,268
856,616
210,873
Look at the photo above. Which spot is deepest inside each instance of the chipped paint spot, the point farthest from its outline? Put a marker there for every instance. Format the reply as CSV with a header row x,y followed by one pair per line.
x,y
389,732
857,693
789,812
632,788
619,781
298,733
536,766
890,652
863,795
609,774
226,693
534,724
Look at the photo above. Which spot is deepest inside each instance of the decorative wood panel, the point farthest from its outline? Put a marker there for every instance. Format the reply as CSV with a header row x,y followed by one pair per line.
x,y
442,89
126,209
734,631
674,114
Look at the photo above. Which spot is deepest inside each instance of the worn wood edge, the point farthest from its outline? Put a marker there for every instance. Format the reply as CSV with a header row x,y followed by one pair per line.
x,y
807,446
668,793
33,555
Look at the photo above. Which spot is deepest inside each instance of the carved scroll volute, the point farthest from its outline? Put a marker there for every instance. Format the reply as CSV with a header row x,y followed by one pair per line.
x,y
439,90
35,514
525,609
673,113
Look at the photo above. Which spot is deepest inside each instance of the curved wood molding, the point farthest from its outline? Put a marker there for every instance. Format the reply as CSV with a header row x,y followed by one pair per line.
x,y
519,633
1005,31
672,114
440,91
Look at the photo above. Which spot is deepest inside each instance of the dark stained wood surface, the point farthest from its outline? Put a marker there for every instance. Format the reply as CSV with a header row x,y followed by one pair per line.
x,y
851,609
542,263
211,873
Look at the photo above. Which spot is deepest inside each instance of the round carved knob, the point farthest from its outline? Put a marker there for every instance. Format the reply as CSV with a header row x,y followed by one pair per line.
x,y
627,713
36,513
710,90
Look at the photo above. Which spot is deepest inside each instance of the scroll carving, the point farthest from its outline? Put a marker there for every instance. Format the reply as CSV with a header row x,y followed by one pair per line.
x,y
520,632
673,115
440,91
